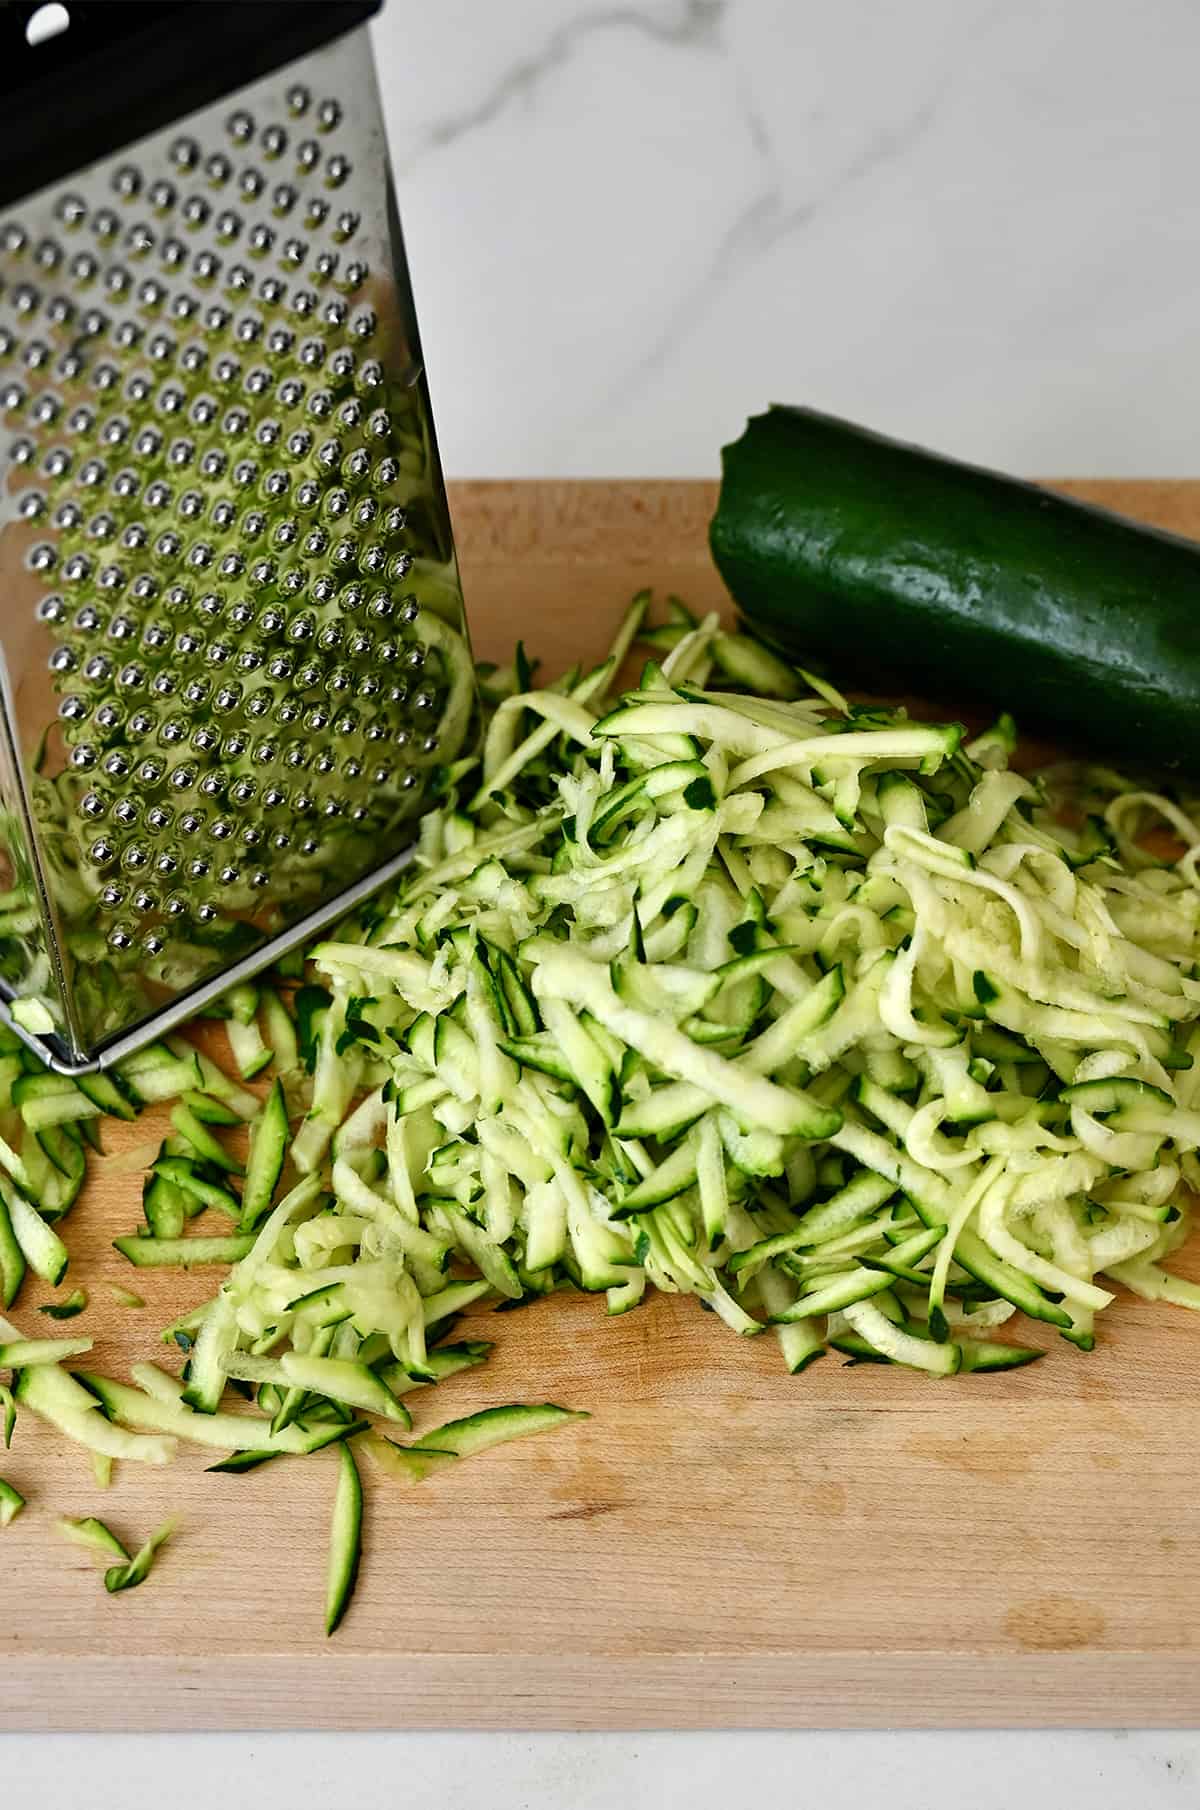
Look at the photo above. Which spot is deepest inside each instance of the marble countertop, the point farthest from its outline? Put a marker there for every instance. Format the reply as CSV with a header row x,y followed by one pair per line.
x,y
603,1772
970,222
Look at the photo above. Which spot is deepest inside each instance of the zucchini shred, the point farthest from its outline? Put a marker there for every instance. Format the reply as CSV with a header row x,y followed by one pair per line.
x,y
720,986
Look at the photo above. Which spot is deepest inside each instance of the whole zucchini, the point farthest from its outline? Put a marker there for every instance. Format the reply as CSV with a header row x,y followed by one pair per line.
x,y
898,566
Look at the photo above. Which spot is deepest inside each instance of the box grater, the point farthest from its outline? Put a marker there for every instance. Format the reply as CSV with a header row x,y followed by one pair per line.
x,y
234,658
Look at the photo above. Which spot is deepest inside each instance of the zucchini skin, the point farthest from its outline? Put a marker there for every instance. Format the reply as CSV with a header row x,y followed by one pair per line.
x,y
963,584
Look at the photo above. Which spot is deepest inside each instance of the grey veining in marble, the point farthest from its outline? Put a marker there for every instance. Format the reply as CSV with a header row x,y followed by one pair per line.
x,y
973,222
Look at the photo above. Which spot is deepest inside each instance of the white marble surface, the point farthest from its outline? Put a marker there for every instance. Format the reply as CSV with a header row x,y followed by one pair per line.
x,y
603,1772
972,222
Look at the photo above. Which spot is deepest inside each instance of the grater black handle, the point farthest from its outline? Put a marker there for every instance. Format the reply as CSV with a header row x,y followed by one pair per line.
x,y
124,68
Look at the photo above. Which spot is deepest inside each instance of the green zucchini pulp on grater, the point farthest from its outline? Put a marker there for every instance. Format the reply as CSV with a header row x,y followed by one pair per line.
x,y
234,648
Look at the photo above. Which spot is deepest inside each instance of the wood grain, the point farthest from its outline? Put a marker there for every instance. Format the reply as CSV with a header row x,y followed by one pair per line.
x,y
721,1544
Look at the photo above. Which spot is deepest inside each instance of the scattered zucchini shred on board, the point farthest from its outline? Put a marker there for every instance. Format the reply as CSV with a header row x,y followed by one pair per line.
x,y
719,986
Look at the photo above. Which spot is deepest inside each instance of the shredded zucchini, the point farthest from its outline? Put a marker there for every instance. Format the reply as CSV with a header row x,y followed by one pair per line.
x,y
734,990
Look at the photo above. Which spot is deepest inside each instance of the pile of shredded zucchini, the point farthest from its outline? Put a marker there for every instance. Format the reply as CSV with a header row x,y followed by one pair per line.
x,y
721,987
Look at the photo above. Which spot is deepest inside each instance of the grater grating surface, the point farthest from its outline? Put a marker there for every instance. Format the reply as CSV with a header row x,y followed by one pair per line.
x,y
232,624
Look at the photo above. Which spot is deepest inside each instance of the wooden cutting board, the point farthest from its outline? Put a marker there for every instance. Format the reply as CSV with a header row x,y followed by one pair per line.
x,y
721,1544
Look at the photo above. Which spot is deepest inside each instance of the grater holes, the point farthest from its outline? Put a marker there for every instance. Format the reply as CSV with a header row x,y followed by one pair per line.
x,y
127,181
106,224
151,294
289,496
71,210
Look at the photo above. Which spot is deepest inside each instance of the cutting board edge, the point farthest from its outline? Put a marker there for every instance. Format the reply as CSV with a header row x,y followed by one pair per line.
x,y
364,1692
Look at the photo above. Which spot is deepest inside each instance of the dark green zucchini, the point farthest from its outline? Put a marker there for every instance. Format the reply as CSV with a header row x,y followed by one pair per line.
x,y
904,570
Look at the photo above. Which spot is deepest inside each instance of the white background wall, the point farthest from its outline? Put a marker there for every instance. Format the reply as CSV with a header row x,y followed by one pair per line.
x,y
972,222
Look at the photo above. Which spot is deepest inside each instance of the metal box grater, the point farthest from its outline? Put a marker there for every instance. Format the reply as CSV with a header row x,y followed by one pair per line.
x,y
234,656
